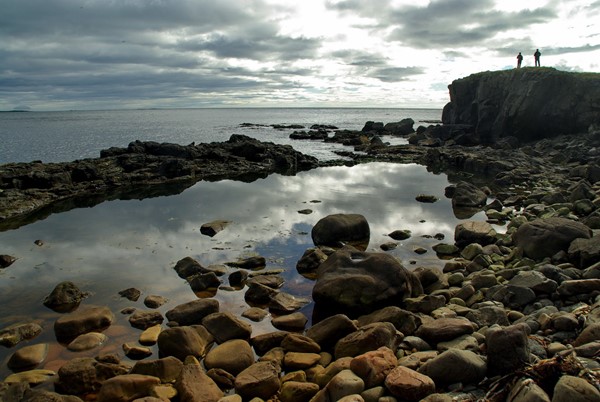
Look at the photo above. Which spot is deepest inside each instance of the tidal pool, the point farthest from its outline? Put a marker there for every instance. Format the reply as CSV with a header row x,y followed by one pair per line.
x,y
120,244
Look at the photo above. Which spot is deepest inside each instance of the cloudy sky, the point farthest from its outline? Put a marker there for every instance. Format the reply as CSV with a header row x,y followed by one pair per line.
x,y
105,54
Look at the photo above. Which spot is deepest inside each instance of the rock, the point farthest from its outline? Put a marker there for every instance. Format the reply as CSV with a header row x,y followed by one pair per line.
x,y
188,266
526,390
426,198
342,384
535,281
65,297
468,195
373,367
265,342
454,366
87,341
184,341
192,312
28,357
367,338
285,303
167,368
474,232
507,349
300,360
13,334
487,316
135,352
203,282
291,322
155,301
255,314
85,319
339,229
150,335
254,262
328,331
6,260
571,389
261,380
487,102
444,329
590,333
295,391
233,356
578,287
408,384
238,278
584,252
145,319
132,294
400,234
425,303
308,264
545,237
401,128
31,377
225,326
300,343
86,375
212,228
194,385
127,387
361,282
404,321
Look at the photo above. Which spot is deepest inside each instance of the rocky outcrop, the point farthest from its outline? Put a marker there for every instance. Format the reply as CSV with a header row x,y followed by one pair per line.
x,y
31,191
528,103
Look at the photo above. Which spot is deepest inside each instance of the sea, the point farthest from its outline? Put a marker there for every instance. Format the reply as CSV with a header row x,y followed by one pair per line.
x,y
124,243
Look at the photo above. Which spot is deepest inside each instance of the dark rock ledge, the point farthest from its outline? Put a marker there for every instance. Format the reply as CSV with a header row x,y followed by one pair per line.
x,y
30,191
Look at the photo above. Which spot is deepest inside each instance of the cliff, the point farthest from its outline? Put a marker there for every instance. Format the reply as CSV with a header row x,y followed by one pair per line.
x,y
527,103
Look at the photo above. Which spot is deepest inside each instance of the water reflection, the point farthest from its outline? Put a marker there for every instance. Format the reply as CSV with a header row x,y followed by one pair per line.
x,y
121,244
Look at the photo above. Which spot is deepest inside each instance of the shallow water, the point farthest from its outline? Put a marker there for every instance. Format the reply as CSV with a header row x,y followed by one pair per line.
x,y
120,244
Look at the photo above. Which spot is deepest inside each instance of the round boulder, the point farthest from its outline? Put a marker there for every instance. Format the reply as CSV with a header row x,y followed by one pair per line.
x,y
339,229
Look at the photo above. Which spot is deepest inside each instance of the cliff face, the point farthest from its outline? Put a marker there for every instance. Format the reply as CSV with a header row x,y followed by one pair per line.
x,y
527,103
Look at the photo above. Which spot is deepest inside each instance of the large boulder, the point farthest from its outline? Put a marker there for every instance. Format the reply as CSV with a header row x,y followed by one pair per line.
x,y
339,229
85,319
358,282
527,103
545,237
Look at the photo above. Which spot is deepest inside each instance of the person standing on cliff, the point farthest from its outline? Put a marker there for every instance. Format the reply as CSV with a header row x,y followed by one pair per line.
x,y
536,56
519,60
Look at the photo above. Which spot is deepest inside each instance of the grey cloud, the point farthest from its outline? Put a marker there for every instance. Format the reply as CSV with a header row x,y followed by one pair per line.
x,y
360,58
394,74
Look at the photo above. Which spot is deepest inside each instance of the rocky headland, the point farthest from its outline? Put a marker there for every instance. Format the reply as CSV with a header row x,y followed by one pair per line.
x,y
512,316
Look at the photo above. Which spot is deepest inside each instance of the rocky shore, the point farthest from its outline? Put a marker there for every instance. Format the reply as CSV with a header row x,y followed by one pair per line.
x,y
512,316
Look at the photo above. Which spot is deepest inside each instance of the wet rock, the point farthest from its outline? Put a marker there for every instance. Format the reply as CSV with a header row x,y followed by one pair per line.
x,y
400,234
424,304
132,294
192,312
299,343
526,390
255,314
212,228
87,341
261,380
13,334
444,329
184,341
367,338
31,377
155,301
65,297
545,237
126,387
85,319
584,252
254,262
300,360
507,349
467,195
339,229
328,331
487,316
373,367
408,384
238,278
6,260
203,282
474,232
233,356
535,281
145,319
361,282
426,198
223,379
225,326
291,322
85,375
136,352
28,357
194,385
578,287
167,368
570,388
454,366
591,333
285,303
265,342
341,385
296,391
404,321
401,128
188,266
150,335
308,264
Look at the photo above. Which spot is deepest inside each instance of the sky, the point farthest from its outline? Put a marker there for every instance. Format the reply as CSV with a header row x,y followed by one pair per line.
x,y
117,54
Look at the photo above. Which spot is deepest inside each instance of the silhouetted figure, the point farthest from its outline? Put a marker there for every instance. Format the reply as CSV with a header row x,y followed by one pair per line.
x,y
519,60
536,56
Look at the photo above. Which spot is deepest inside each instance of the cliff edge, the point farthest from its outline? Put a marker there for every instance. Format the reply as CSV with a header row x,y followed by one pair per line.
x,y
527,103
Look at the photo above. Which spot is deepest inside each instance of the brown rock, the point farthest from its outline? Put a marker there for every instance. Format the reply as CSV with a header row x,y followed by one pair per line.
x,y
126,387
374,366
259,380
407,384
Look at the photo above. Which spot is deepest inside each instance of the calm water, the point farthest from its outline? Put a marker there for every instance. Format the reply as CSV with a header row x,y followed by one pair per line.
x,y
120,244
66,136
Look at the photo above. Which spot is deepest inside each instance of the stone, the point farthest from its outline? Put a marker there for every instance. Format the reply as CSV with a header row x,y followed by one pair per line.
x,y
295,391
545,237
145,319
400,234
237,279
425,303
258,294
212,228
187,267
225,326
468,195
571,389
255,314
360,282
132,294
155,301
328,331
126,387
367,338
233,356
444,329
254,262
28,357
87,341
290,322
202,282
31,377
589,334
285,303
194,385
463,342
65,297
535,281
265,342
6,260
222,378
584,252
136,352
184,341
409,385
86,375
454,366
404,321
13,334
474,232
343,384
150,335
308,264
84,319
300,360
323,377
426,198
339,229
507,349
374,366
166,368
578,287
192,312
486,316
300,343
261,380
